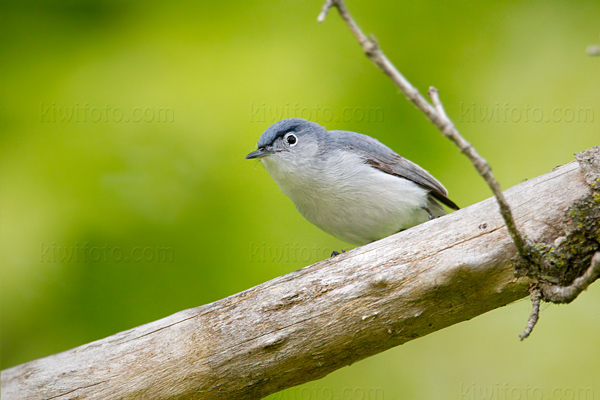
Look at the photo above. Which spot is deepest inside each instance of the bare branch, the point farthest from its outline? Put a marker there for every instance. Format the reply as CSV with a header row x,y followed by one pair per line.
x,y
566,294
536,297
311,322
325,10
560,294
435,114
483,168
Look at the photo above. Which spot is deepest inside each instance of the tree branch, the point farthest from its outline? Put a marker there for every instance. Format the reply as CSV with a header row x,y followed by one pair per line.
x,y
435,113
536,298
309,323
560,294
566,294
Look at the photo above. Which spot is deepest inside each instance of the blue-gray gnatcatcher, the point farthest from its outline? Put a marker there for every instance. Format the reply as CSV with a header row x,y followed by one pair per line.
x,y
348,184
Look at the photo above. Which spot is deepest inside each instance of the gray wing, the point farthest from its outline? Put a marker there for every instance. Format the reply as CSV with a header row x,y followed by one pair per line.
x,y
386,160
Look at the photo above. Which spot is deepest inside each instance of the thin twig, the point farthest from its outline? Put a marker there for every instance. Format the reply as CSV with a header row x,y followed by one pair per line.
x,y
435,113
325,10
536,297
560,294
566,294
482,167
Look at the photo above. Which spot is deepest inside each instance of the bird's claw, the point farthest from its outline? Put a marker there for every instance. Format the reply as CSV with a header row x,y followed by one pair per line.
x,y
335,253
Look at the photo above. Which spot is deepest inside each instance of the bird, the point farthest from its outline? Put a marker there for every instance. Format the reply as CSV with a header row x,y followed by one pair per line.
x,y
348,184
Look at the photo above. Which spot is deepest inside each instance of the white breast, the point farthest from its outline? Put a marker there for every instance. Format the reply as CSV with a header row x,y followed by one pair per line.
x,y
350,199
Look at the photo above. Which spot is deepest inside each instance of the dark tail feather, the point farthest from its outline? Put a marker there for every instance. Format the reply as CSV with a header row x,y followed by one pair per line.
x,y
444,200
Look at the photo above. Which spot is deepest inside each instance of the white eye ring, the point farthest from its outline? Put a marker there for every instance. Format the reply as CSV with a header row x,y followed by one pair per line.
x,y
290,139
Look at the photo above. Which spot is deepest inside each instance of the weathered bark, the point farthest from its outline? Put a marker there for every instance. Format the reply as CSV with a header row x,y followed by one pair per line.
x,y
306,324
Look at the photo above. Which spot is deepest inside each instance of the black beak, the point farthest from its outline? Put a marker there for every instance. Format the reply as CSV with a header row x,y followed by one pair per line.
x,y
260,153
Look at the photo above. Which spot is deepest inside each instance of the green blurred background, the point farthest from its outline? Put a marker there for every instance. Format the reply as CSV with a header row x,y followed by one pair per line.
x,y
125,196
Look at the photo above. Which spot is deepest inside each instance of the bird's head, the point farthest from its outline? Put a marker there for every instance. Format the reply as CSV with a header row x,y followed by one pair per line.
x,y
289,142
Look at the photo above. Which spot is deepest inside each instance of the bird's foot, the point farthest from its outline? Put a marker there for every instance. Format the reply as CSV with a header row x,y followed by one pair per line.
x,y
431,216
335,253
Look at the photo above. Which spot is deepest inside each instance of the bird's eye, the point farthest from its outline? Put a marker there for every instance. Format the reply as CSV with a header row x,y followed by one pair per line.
x,y
290,139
